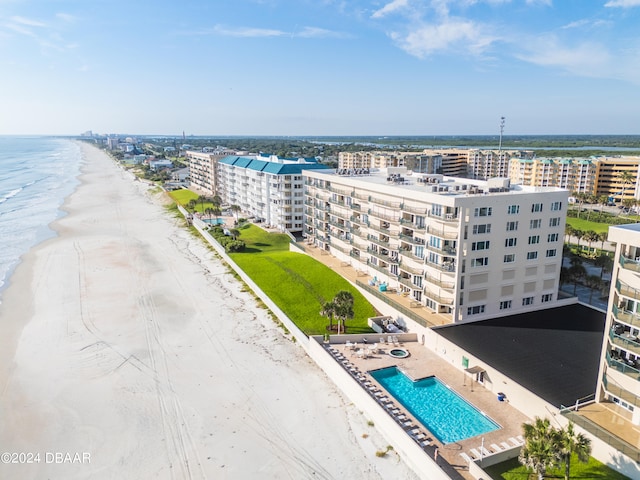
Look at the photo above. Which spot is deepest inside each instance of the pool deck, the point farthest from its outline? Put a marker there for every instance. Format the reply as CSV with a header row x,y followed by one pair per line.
x,y
424,363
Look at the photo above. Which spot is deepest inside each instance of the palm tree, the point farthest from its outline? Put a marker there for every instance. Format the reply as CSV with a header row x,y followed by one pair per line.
x,y
329,311
202,199
235,209
591,236
569,232
602,237
539,451
570,442
344,307
235,233
579,234
604,262
593,282
192,204
626,177
576,272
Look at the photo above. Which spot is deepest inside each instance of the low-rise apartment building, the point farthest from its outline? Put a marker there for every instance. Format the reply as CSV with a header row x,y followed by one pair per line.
x,y
574,174
468,249
610,178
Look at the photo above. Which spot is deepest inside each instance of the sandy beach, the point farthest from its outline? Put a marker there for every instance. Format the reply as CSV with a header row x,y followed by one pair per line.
x,y
129,352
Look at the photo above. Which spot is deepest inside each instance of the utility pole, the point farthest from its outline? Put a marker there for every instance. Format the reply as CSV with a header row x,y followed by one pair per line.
x,y
501,131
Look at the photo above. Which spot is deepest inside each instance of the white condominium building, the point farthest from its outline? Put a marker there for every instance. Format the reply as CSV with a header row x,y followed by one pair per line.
x,y
203,170
619,378
266,187
466,248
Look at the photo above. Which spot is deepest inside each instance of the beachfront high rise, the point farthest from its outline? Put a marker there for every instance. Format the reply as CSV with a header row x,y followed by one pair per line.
x,y
468,249
574,174
266,187
203,171
619,378
610,179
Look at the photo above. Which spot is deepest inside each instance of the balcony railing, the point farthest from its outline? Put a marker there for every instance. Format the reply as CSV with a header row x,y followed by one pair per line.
x,y
410,269
386,203
376,240
627,291
449,267
413,226
384,231
437,232
384,257
438,298
338,225
360,196
445,217
622,342
379,268
411,239
407,282
446,250
411,255
440,283
413,209
626,317
629,264
355,206
622,367
385,216
357,219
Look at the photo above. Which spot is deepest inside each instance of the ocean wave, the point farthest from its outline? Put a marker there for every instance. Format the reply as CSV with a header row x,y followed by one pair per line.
x,y
11,194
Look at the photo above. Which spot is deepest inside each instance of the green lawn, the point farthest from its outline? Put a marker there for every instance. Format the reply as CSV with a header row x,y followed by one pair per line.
x,y
297,283
585,226
183,196
513,470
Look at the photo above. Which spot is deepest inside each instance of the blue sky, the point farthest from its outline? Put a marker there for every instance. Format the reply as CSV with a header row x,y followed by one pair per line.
x,y
320,67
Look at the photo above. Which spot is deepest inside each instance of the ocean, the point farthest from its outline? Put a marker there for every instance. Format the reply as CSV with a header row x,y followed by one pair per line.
x,y
36,175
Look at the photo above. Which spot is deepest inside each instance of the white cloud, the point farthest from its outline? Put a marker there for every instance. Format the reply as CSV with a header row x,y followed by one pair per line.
x,y
450,34
27,21
539,2
66,17
247,32
315,32
623,3
390,8
587,59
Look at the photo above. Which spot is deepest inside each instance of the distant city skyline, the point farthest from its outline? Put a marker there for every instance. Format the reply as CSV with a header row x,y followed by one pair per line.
x,y
325,67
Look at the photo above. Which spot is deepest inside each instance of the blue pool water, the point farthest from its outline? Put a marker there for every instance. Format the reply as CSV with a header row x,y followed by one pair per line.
x,y
213,221
442,411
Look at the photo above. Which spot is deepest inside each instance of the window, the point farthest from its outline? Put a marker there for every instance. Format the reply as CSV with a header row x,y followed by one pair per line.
x,y
556,206
511,226
534,239
554,222
533,224
551,252
510,242
536,207
509,258
475,310
484,245
505,304
552,237
513,209
527,301
485,228
547,297
482,212
532,255
480,262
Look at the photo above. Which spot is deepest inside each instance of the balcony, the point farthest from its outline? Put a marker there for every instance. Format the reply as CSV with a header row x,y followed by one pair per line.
x,y
621,366
446,250
629,264
384,216
411,255
441,233
382,256
337,202
340,226
412,240
438,298
379,268
386,203
447,266
626,317
378,241
360,196
445,217
413,226
627,291
625,342
413,270
357,219
412,209
440,283
408,283
383,230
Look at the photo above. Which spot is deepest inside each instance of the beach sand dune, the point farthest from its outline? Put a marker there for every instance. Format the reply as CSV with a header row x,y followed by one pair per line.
x,y
129,351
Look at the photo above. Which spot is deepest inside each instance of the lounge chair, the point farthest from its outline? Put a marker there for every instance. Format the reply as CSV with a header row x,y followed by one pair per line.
x,y
466,457
475,453
485,452
514,441
505,445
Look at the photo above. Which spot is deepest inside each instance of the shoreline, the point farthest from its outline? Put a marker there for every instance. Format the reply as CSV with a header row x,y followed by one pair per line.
x,y
140,349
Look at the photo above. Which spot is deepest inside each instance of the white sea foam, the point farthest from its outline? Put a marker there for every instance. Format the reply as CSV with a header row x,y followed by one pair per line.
x,y
36,174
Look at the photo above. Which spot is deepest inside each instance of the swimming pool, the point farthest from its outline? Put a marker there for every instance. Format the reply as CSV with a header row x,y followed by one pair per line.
x,y
443,412
214,221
